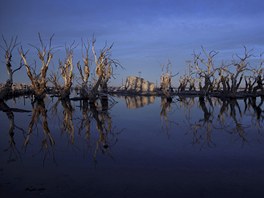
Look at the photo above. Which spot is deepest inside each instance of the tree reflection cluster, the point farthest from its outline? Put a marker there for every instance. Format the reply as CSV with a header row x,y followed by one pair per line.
x,y
93,122
97,113
232,116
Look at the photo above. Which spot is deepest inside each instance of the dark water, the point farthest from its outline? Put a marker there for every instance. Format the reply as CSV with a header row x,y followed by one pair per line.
x,y
133,147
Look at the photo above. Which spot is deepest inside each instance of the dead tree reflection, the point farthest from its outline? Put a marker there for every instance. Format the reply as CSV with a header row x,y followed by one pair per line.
x,y
106,135
231,117
85,124
204,124
67,123
14,153
95,117
39,111
165,109
239,128
257,114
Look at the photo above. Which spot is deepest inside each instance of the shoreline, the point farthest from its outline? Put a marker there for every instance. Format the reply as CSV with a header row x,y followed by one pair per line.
x,y
117,92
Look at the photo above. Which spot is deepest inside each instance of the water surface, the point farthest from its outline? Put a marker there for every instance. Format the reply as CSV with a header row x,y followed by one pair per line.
x,y
136,147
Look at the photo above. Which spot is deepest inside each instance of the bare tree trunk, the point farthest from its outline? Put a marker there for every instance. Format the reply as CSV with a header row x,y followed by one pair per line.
x,y
208,71
39,81
259,85
241,66
8,48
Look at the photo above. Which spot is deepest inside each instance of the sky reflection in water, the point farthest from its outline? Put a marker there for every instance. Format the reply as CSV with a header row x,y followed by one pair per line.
x,y
140,147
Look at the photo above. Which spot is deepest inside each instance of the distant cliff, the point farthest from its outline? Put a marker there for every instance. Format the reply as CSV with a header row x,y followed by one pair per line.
x,y
138,84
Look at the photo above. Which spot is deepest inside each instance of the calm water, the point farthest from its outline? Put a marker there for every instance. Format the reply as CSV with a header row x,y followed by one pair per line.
x,y
139,147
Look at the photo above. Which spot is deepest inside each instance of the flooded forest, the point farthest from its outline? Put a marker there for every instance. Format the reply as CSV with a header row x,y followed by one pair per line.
x,y
69,133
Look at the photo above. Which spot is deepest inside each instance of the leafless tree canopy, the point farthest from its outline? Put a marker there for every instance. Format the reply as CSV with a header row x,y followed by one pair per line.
x,y
39,80
206,75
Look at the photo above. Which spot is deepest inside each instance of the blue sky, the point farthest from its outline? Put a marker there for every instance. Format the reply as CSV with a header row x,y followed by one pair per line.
x,y
146,33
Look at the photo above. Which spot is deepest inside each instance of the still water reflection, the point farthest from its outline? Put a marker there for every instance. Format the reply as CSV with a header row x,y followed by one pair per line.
x,y
132,147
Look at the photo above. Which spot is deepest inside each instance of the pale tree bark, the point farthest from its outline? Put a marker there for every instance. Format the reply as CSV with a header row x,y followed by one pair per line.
x,y
66,69
8,48
183,83
103,67
104,64
85,70
259,76
223,78
240,66
204,67
39,81
165,80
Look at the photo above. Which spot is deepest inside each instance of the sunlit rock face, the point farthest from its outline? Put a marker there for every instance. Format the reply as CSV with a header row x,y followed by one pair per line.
x,y
138,84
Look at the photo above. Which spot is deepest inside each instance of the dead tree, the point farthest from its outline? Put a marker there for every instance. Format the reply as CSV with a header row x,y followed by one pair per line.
x,y
184,81
259,81
165,81
165,78
85,70
205,69
240,65
104,69
39,81
259,73
223,78
8,48
249,84
66,71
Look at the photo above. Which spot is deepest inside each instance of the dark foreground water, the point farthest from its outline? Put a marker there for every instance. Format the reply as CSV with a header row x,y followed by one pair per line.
x,y
137,147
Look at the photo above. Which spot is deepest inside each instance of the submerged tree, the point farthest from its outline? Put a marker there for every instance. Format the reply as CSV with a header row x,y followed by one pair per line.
x,y
205,69
66,71
240,65
103,67
165,80
104,64
8,48
39,80
259,76
85,70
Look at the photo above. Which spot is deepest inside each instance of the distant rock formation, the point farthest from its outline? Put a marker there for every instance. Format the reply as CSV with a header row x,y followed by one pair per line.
x,y
138,84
